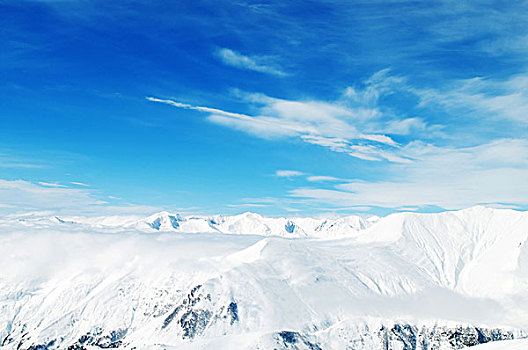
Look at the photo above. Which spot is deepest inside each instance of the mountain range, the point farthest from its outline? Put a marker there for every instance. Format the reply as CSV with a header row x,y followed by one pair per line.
x,y
447,280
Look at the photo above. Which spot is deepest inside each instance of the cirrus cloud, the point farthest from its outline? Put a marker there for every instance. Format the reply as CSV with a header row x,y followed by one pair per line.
x,y
254,63
353,129
496,172
20,196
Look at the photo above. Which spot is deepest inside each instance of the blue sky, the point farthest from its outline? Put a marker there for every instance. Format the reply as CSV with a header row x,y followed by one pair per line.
x,y
283,108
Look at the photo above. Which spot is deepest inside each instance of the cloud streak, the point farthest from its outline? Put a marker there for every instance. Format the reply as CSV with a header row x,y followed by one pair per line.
x,y
333,125
496,172
322,178
51,184
479,97
10,161
20,196
288,173
257,64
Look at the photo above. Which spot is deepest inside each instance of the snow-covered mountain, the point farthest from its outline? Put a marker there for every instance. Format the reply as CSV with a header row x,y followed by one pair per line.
x,y
246,223
405,281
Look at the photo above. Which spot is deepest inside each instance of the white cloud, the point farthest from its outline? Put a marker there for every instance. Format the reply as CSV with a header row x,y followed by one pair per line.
x,y
366,152
199,108
263,127
405,126
380,83
334,143
335,125
16,164
483,98
79,184
28,196
380,138
258,64
496,172
332,211
50,184
322,178
21,196
371,152
408,209
8,160
248,205
358,126
288,173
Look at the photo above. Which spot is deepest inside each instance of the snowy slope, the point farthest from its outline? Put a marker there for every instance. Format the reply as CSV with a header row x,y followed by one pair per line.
x,y
518,344
447,280
478,251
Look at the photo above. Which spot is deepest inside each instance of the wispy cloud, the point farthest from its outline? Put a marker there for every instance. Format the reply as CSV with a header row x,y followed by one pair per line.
x,y
248,205
79,184
323,179
371,152
26,195
198,108
254,63
482,98
288,173
16,164
10,161
345,126
51,184
450,178
478,156
20,196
